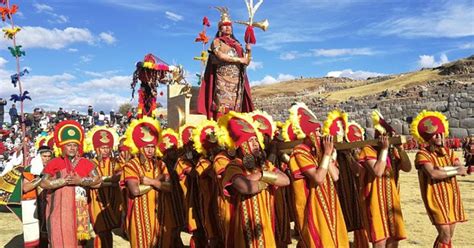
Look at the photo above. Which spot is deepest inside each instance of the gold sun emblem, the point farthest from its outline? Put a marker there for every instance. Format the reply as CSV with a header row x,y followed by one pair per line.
x,y
71,132
147,137
104,138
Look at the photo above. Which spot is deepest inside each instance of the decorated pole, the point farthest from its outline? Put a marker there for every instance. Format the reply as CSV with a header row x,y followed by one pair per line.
x,y
16,51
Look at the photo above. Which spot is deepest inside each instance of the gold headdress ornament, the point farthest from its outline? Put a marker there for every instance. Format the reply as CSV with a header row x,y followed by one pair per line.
x,y
186,134
225,17
168,139
233,135
142,132
207,134
427,124
264,122
380,124
303,120
40,141
336,124
355,132
107,136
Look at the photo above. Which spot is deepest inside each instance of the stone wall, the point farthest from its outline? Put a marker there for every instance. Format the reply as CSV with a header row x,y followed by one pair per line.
x,y
453,98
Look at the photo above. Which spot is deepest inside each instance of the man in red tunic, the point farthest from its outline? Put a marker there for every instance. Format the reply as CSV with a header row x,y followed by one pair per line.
x,y
66,179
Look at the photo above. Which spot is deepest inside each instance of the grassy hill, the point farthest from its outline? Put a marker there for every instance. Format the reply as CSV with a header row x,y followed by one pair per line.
x,y
341,89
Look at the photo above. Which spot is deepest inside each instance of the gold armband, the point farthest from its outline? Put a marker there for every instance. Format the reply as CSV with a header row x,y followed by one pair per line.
x,y
285,158
384,155
269,177
261,185
451,173
234,60
35,182
325,162
143,189
106,178
58,182
166,186
449,168
107,184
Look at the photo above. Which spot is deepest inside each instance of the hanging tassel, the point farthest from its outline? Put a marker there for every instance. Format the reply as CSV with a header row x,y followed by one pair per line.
x,y
205,22
250,35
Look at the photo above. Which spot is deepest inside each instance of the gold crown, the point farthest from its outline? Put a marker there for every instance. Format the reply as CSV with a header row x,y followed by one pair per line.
x,y
225,17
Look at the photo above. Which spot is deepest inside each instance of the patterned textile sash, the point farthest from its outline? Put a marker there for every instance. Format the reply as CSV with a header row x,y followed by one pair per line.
x,y
82,215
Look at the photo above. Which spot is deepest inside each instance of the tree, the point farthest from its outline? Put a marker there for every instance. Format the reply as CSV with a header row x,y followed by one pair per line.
x,y
124,108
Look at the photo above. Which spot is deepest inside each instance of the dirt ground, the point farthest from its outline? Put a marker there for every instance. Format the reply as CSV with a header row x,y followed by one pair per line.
x,y
420,231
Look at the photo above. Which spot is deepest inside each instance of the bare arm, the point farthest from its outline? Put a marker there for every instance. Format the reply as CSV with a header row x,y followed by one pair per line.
x,y
159,183
30,185
439,174
405,163
248,187
318,175
378,166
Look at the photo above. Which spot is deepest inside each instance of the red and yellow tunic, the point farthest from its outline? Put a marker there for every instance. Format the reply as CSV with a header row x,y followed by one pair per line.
x,y
252,222
145,213
318,212
441,197
380,200
105,203
221,161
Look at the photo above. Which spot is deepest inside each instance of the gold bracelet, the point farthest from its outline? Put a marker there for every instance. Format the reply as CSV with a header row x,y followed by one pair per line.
x,y
106,178
451,173
166,186
325,162
58,182
143,189
449,168
261,186
269,177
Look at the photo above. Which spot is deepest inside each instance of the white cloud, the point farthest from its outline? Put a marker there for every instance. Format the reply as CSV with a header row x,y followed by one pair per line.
x,y
73,50
428,61
42,8
271,80
86,58
467,46
254,65
142,5
343,52
3,62
100,74
173,16
39,37
349,73
292,55
63,90
57,18
449,20
107,37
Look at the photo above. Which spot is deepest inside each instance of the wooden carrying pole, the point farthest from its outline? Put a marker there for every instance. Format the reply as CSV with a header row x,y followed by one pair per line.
x,y
287,147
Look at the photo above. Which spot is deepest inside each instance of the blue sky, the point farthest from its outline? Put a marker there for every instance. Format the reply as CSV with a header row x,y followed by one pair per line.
x,y
84,52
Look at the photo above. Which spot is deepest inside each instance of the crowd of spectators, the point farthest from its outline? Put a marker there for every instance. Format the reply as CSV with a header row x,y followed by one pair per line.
x,y
41,122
